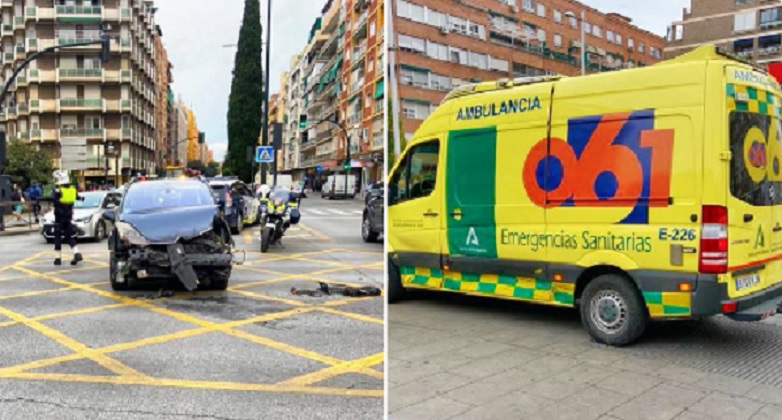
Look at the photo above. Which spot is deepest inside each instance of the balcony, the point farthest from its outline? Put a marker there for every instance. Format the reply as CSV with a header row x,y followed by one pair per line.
x,y
21,136
72,37
80,74
19,22
21,80
81,104
32,44
9,57
88,133
125,105
112,106
79,13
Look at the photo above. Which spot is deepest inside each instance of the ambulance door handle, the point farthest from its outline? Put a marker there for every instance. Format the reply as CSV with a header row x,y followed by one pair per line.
x,y
777,228
748,218
431,214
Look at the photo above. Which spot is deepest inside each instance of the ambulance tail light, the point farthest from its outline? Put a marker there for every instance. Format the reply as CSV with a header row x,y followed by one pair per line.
x,y
713,256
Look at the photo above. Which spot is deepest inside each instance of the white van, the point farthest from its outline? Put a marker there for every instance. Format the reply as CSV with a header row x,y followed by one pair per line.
x,y
335,187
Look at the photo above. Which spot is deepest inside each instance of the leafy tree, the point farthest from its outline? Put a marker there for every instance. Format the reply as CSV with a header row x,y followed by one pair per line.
x,y
244,106
26,164
196,164
212,169
390,134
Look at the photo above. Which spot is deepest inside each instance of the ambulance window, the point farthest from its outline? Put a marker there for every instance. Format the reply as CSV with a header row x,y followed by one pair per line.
x,y
755,159
416,176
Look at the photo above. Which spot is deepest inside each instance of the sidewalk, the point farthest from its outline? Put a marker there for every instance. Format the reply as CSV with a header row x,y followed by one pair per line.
x,y
16,227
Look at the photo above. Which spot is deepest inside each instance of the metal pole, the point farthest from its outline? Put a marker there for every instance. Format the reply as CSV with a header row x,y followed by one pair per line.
x,y
265,95
583,44
347,159
393,86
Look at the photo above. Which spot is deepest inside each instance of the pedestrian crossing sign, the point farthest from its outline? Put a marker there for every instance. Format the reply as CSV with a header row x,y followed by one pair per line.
x,y
264,154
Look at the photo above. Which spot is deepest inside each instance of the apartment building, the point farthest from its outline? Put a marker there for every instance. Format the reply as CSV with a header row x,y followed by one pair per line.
x,y
71,94
164,152
293,130
277,116
442,44
182,144
751,29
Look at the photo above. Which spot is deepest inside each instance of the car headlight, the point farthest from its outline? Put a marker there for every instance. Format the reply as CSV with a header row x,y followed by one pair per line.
x,y
129,235
87,219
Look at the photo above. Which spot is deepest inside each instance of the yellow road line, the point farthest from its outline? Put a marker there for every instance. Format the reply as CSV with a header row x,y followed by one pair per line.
x,y
316,233
77,347
353,315
295,276
180,383
18,263
98,263
35,293
336,370
66,314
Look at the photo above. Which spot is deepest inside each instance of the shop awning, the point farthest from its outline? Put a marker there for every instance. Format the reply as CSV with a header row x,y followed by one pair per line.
x,y
379,88
415,68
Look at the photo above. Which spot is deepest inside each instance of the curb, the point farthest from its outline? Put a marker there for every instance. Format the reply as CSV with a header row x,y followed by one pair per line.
x,y
17,232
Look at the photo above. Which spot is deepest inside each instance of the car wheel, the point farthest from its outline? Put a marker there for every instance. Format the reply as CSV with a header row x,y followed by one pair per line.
x,y
367,234
395,290
100,231
239,224
115,275
613,311
49,240
220,279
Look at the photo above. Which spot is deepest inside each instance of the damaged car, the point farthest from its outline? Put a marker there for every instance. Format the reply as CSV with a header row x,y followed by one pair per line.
x,y
169,229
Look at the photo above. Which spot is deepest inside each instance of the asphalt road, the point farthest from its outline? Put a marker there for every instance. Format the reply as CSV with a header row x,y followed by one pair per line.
x,y
71,348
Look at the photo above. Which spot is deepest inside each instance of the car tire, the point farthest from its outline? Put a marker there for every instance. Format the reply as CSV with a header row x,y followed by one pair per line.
x,y
114,275
265,240
100,231
396,292
367,234
220,279
613,310
49,240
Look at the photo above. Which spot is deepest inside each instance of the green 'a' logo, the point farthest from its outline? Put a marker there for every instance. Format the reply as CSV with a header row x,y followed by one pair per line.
x,y
760,239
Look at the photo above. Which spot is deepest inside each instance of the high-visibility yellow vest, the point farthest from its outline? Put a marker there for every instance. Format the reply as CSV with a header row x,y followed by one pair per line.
x,y
67,195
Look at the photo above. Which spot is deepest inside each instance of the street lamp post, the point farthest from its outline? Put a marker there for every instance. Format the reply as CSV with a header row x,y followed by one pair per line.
x,y
581,21
265,104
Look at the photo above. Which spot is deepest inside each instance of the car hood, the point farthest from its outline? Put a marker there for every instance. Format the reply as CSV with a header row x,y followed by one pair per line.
x,y
169,225
78,214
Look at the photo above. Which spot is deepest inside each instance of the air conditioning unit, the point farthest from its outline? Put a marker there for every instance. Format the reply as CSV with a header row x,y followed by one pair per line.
x,y
444,29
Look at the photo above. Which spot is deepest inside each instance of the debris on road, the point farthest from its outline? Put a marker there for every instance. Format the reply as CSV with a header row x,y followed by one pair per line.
x,y
326,289
162,293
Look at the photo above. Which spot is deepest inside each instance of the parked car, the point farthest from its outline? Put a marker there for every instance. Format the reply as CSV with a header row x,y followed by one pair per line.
x,y
169,229
376,191
373,221
86,216
335,186
237,203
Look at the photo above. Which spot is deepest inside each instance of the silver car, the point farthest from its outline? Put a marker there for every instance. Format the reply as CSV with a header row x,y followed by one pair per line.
x,y
87,216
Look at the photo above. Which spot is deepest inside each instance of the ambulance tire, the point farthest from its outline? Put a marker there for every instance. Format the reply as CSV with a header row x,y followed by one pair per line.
x,y
395,290
613,311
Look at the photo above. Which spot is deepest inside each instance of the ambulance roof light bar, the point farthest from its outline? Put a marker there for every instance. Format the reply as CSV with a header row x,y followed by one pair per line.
x,y
472,88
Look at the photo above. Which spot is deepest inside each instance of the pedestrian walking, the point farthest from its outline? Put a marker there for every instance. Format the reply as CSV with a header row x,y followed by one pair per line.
x,y
18,199
34,193
63,197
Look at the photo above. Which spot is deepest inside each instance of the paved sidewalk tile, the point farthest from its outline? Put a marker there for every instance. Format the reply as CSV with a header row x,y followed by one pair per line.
x,y
727,407
438,408
769,412
629,383
726,384
766,393
516,406
406,395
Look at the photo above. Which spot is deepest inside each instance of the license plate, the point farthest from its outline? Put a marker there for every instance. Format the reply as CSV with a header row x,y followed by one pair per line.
x,y
747,282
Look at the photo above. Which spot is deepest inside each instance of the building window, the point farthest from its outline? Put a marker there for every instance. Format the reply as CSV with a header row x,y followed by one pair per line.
x,y
610,36
630,43
557,40
557,16
678,32
528,6
597,32
480,61
541,10
436,18
640,47
415,110
744,21
618,39
770,17
572,21
541,35
587,27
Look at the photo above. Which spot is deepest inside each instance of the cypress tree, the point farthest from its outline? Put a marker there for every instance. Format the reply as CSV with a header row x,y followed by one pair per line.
x,y
244,106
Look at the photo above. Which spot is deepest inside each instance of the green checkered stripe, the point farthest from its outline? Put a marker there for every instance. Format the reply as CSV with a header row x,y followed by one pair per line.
x,y
668,304
760,101
511,287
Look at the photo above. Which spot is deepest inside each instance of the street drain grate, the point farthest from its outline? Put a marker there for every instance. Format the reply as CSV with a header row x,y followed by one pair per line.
x,y
750,351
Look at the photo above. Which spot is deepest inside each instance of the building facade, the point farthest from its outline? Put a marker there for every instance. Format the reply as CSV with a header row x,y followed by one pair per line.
x,y
182,144
440,45
70,96
295,161
751,29
162,92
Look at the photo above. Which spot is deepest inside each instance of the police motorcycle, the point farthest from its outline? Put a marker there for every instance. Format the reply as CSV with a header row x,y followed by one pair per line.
x,y
278,213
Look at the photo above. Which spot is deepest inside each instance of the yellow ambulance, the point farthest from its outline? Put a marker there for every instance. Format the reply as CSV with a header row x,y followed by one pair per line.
x,y
644,194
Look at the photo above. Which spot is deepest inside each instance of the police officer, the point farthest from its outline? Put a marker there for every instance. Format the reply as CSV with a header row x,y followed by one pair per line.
x,y
64,196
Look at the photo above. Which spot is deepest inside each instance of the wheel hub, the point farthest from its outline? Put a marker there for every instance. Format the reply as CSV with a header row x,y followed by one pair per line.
x,y
608,311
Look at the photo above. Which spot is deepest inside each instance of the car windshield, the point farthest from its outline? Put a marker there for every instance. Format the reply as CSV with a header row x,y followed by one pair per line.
x,y
91,201
153,196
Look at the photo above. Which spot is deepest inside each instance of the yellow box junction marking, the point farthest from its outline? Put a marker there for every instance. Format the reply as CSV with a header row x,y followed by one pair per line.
x,y
129,376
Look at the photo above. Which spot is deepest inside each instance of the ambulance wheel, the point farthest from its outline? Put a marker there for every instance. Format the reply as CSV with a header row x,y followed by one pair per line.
x,y
114,275
395,290
612,310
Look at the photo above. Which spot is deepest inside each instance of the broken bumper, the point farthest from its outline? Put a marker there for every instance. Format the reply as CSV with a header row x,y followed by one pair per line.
x,y
175,260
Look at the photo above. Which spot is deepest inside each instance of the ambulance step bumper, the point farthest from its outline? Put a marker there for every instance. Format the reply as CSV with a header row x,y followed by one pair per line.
x,y
760,311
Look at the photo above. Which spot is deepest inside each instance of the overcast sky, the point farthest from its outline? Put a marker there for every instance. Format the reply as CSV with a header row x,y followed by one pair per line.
x,y
194,32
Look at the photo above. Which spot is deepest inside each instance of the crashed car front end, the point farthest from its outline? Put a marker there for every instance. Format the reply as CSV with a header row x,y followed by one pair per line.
x,y
193,245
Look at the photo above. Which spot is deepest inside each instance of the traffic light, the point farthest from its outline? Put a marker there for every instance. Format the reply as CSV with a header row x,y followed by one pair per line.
x,y
105,52
346,165
201,137
303,121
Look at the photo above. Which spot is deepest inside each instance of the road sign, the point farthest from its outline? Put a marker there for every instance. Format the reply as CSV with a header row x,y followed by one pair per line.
x,y
73,153
264,154
319,169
